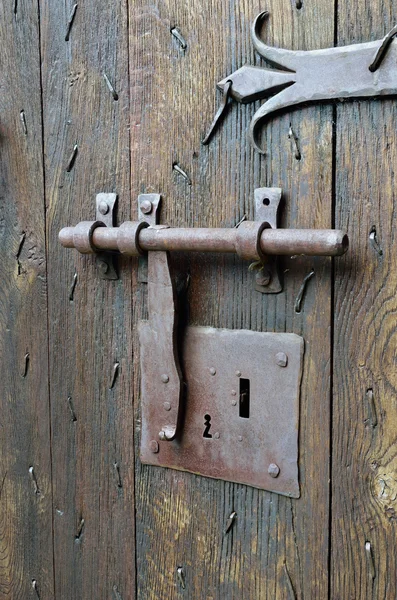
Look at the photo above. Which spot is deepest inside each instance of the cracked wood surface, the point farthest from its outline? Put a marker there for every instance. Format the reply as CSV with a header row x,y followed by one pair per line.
x,y
26,553
87,152
364,470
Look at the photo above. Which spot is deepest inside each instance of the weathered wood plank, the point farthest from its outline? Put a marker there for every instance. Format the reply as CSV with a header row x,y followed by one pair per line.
x,y
90,327
181,518
364,420
26,549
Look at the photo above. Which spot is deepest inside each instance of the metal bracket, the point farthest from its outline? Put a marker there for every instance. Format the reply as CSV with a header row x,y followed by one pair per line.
x,y
267,205
148,211
106,213
355,71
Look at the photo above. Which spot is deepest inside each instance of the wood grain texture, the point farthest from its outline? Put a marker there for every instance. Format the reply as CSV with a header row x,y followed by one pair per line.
x,y
25,461
181,518
364,483
92,425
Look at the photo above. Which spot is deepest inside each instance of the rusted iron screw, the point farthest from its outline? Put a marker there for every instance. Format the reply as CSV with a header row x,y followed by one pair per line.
x,y
103,207
281,359
165,378
263,277
273,470
154,447
146,207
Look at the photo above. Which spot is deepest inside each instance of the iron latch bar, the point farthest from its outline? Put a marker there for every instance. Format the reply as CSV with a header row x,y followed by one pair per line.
x,y
252,240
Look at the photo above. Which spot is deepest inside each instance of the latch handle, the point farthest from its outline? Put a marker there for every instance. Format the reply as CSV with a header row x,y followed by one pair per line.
x,y
163,377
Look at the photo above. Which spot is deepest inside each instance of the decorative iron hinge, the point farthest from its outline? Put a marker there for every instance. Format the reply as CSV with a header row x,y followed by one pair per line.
x,y
356,71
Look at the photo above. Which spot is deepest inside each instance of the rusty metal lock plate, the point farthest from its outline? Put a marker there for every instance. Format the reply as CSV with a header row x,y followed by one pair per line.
x,y
241,409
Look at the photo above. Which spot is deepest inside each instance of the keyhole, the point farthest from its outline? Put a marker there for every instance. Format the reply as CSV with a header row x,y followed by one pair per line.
x,y
244,409
207,425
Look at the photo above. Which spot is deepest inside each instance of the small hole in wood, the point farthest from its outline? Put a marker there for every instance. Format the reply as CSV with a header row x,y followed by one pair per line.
x,y
266,201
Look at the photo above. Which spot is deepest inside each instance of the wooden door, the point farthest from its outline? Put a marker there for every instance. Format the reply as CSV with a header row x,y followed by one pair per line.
x,y
103,96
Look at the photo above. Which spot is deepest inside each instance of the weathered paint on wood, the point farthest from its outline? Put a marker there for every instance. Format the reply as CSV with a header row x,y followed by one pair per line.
x,y
364,481
181,518
89,318
26,553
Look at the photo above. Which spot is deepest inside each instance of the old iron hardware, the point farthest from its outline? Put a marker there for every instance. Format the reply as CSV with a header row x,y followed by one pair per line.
x,y
355,71
106,213
252,240
259,241
239,417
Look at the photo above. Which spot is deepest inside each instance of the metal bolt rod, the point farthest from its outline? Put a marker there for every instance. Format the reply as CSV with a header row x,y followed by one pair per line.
x,y
311,242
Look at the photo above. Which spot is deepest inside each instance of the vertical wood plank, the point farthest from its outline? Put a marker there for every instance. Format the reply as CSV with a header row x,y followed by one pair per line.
x,y
90,318
364,418
181,518
26,549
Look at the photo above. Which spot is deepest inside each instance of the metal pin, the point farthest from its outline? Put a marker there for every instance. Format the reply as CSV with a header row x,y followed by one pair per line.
x,y
244,218
219,113
73,287
370,560
71,408
302,290
374,241
23,121
70,22
230,522
116,593
292,136
117,473
181,577
110,86
372,407
20,245
114,376
80,530
289,584
72,159
25,365
177,34
34,586
33,478
382,50
178,169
